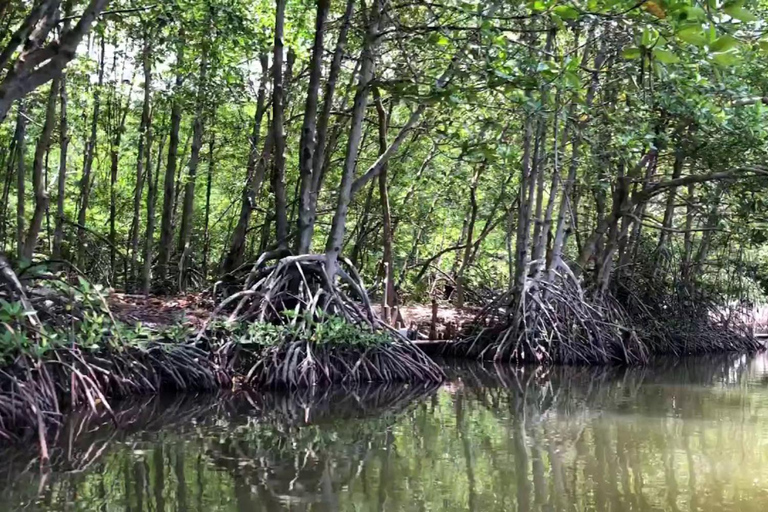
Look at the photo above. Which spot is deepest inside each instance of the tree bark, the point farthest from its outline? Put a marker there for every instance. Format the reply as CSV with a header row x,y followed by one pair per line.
x,y
189,187
319,155
388,300
58,232
90,151
144,139
306,217
21,177
278,160
208,184
255,171
152,181
336,235
39,64
169,183
38,169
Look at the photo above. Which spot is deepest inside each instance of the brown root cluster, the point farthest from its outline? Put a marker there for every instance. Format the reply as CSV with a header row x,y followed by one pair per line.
x,y
306,364
299,291
555,321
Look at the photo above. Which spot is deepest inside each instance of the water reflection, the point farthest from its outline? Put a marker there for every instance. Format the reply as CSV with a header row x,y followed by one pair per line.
x,y
691,436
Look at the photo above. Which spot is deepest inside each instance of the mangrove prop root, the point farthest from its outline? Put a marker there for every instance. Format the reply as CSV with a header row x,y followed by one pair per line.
x,y
303,286
557,322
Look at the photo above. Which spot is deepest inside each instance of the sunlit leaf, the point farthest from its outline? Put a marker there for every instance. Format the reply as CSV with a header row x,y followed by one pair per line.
x,y
566,12
724,43
726,58
693,34
736,11
631,53
665,56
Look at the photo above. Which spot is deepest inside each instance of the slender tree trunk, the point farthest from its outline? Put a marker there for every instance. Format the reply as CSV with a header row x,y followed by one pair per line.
x,y
567,205
308,204
114,156
10,173
685,271
338,226
278,106
143,152
669,210
85,182
189,187
38,170
209,182
21,177
525,200
306,218
470,234
389,300
254,179
58,232
169,188
152,181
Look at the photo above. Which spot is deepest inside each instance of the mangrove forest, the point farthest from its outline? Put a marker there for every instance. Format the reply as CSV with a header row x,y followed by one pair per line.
x,y
254,240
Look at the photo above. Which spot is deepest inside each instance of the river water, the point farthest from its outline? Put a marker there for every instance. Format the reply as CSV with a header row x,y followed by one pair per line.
x,y
690,436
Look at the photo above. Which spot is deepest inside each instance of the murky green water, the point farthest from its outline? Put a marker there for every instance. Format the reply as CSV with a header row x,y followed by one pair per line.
x,y
692,436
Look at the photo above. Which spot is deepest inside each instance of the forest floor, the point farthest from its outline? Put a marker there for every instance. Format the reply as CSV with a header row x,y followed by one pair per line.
x,y
194,308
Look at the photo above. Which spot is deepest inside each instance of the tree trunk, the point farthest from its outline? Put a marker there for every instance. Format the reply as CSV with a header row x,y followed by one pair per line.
x,y
336,235
144,139
389,300
38,64
152,181
90,151
58,232
169,184
669,210
209,180
254,179
10,174
38,169
21,176
306,218
470,233
320,150
278,161
525,201
189,187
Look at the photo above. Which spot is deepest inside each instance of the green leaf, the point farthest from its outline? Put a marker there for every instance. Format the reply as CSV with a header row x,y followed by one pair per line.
x,y
693,34
726,58
695,13
631,53
649,37
665,56
724,43
572,79
763,46
566,12
736,11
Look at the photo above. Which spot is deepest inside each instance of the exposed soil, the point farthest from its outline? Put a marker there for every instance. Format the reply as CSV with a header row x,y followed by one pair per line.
x,y
160,311
194,309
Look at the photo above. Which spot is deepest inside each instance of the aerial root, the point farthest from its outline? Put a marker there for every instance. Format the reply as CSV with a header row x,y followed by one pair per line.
x,y
558,322
298,291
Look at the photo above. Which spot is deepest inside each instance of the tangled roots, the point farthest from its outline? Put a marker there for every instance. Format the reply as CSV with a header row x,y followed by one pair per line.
x,y
553,322
303,363
299,291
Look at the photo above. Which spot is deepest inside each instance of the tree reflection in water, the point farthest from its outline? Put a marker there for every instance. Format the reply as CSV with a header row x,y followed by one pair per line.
x,y
679,437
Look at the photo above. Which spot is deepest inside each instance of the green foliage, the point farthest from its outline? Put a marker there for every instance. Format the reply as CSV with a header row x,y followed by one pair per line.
x,y
327,330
